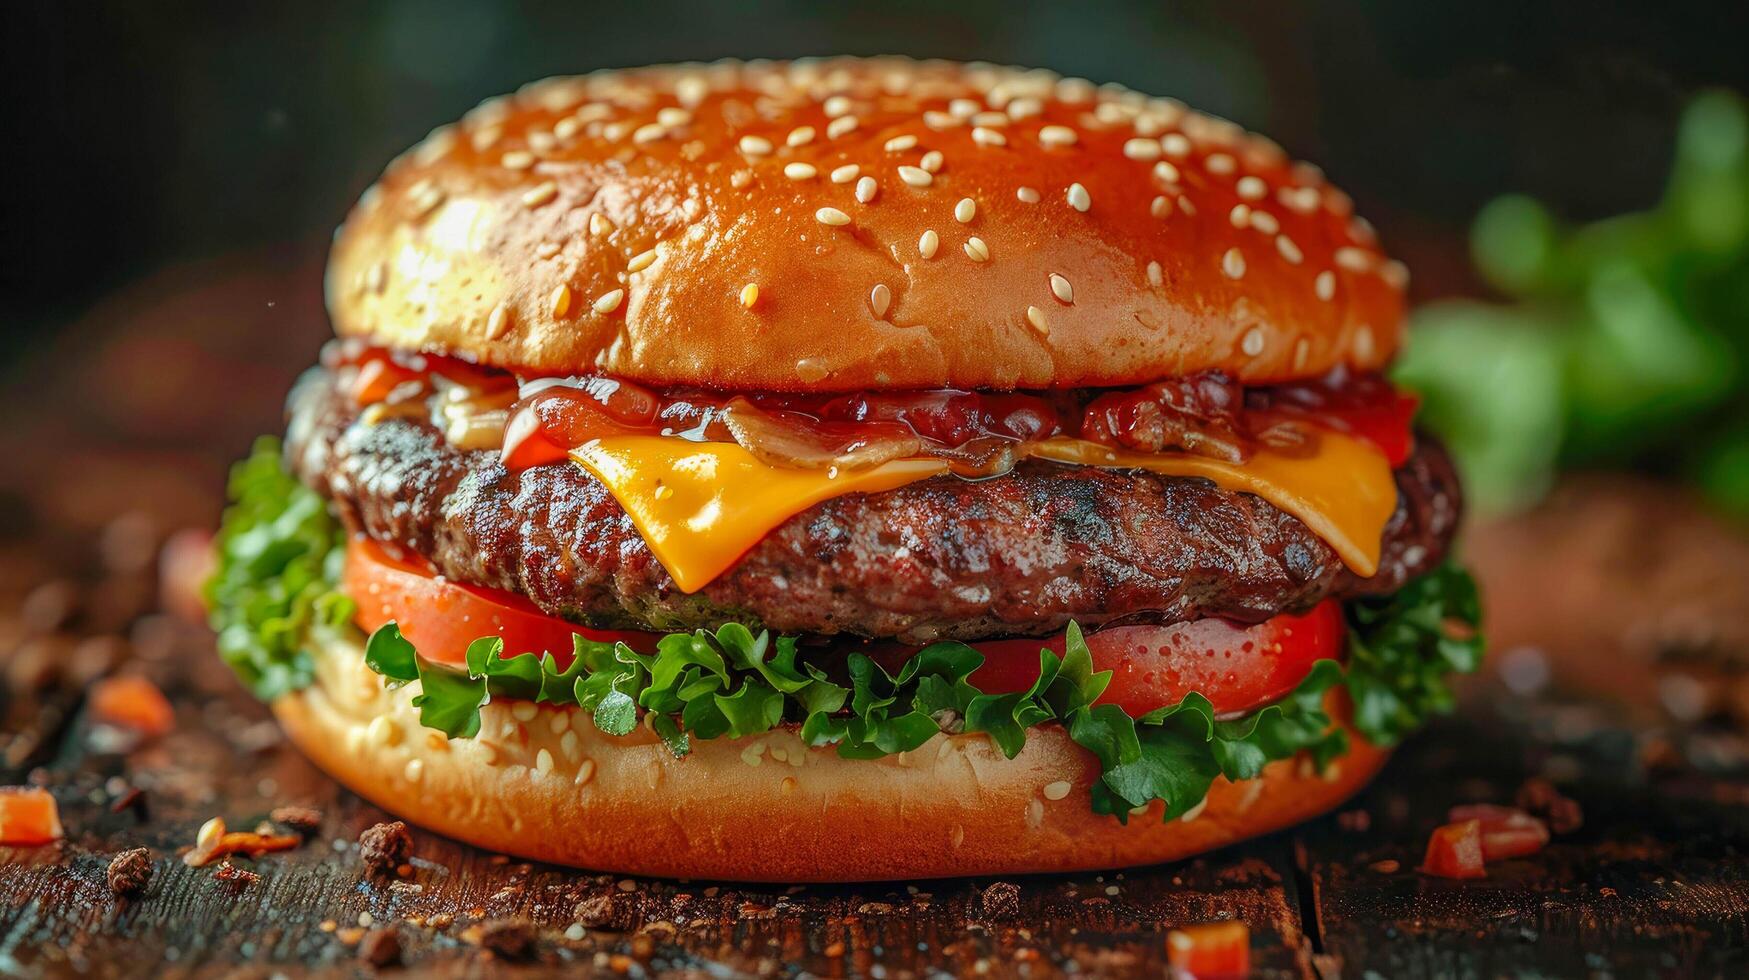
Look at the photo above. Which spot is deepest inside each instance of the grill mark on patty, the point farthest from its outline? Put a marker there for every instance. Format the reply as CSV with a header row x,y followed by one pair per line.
x,y
1021,554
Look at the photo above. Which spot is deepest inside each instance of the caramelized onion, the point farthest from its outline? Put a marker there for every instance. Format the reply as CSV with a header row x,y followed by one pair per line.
x,y
1198,414
795,440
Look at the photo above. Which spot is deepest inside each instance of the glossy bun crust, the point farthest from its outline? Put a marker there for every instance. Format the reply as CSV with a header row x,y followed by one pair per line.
x,y
548,786
847,224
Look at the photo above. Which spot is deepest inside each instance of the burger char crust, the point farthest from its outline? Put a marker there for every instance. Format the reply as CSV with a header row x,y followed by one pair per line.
x,y
1021,554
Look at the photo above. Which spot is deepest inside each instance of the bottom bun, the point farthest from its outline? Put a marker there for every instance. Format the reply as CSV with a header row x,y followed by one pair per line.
x,y
541,782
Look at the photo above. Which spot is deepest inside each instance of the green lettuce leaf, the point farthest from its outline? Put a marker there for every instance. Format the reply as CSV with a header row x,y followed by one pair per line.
x,y
279,555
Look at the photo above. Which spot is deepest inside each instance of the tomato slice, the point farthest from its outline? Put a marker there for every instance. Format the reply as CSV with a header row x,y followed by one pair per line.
x,y
1238,668
440,617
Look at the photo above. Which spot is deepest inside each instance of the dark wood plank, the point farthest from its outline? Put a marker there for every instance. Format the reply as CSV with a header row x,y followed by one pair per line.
x,y
1655,884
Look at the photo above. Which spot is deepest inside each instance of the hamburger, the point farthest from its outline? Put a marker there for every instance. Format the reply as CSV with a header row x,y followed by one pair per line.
x,y
849,469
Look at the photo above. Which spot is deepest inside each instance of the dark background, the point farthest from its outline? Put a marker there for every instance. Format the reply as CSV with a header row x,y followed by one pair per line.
x,y
150,134
177,169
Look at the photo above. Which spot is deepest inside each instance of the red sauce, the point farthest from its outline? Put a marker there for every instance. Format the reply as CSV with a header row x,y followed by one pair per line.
x,y
980,433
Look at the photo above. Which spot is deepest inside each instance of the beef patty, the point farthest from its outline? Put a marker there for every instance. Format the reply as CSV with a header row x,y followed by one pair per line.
x,y
1021,554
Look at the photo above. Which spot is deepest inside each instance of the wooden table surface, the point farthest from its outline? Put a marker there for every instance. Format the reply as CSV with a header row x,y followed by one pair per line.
x,y
1645,614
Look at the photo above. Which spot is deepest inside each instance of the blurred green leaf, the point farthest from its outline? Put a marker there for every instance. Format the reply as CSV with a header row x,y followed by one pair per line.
x,y
1624,340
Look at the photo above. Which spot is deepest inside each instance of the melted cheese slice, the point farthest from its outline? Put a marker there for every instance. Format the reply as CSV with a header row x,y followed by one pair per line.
x,y
701,506
1344,492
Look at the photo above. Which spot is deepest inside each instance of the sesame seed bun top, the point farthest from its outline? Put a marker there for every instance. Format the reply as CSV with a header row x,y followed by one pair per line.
x,y
850,223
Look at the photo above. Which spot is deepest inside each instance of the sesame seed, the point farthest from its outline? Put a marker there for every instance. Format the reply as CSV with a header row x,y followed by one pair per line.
x,y
641,261
1175,145
649,133
1022,108
1166,172
1252,342
989,119
599,224
879,298
985,136
497,322
540,194
840,126
976,250
609,301
1027,195
865,190
1155,277
1240,216
931,161
800,136
1078,197
749,295
1220,163
1353,259
1288,249
1141,149
838,105
845,174
1160,207
1252,188
1265,222
916,176
1325,285
1233,263
1301,199
210,833
1363,342
900,144
965,210
672,116
963,108
1057,136
1061,289
927,244
755,146
831,216
1185,205
560,303
799,171
938,120
740,179
1036,317
517,160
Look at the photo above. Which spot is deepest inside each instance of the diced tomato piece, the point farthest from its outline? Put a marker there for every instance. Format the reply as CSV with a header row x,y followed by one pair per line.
x,y
1455,851
184,565
28,816
133,703
1507,832
1213,949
